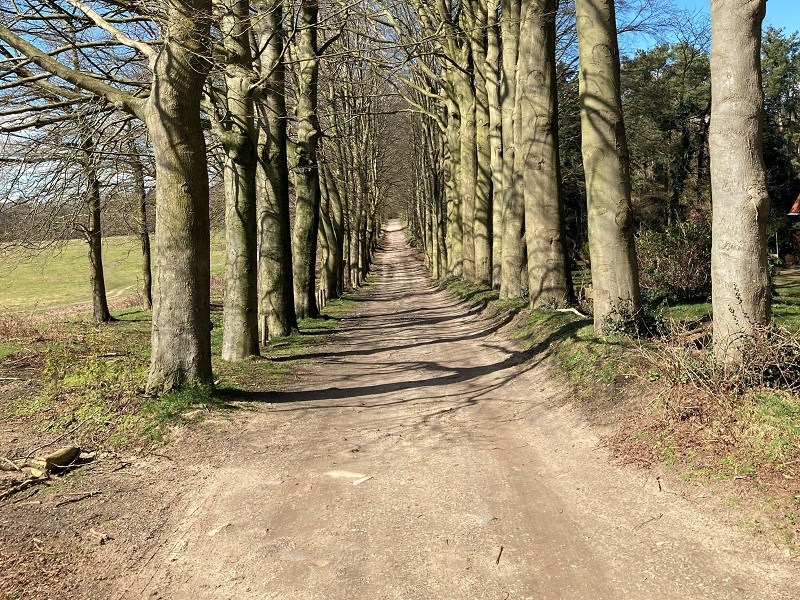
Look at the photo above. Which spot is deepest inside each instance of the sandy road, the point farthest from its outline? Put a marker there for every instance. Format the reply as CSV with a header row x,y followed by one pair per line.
x,y
417,445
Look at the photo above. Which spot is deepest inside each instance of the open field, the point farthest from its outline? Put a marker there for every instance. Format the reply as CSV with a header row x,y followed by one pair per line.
x,y
58,277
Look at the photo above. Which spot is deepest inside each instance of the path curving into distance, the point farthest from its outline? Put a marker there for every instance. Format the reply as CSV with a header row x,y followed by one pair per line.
x,y
417,444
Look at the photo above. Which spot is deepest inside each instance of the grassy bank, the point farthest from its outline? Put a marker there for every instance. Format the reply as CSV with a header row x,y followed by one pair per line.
x,y
86,383
671,407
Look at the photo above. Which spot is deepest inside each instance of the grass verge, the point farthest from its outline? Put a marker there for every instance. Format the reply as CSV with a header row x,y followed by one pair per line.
x,y
85,383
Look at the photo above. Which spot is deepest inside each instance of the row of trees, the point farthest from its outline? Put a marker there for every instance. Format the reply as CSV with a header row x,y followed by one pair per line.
x,y
272,100
336,109
491,123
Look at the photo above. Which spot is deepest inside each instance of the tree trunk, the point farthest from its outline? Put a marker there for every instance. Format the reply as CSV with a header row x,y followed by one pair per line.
x,y
482,228
741,294
240,319
94,237
331,235
548,273
513,269
276,293
455,231
307,192
181,336
469,170
606,163
144,230
493,70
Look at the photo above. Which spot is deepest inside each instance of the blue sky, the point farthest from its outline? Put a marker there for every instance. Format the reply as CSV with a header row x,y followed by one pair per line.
x,y
780,13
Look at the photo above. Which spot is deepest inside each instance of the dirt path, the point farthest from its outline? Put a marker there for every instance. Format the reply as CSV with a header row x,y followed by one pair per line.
x,y
416,446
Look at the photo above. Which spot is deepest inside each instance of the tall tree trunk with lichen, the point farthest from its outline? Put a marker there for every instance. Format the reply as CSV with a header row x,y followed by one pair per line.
x,y
307,190
741,293
606,163
513,275
493,75
276,292
482,222
237,135
181,336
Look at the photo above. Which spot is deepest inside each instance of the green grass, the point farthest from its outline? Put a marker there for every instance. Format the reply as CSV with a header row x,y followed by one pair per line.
x,y
93,378
58,276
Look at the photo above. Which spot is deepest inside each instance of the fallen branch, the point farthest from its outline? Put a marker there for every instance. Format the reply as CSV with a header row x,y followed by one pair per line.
x,y
21,487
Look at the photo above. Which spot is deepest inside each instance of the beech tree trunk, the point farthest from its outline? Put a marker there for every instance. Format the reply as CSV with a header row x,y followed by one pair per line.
x,y
181,336
482,227
493,73
144,230
240,318
455,231
741,294
276,293
513,269
468,169
548,273
606,163
94,237
307,191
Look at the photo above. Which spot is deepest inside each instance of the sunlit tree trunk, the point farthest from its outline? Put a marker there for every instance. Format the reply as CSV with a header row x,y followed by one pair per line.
x,y
548,275
237,135
181,336
607,166
741,294
513,269
493,74
307,191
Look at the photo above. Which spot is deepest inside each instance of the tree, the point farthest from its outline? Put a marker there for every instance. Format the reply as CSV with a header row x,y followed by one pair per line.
x,y
235,128
741,293
181,333
606,164
307,186
549,277
276,291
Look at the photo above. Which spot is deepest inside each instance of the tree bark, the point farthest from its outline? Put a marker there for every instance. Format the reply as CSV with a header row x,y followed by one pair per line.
x,y
513,270
548,273
741,295
144,230
493,72
482,227
181,336
94,236
276,293
607,165
307,192
455,231
468,169
240,318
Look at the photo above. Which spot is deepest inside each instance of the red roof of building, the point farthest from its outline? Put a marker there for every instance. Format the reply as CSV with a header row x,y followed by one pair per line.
x,y
795,207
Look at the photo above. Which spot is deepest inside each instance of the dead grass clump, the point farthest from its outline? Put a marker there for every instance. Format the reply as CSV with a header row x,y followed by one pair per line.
x,y
21,326
770,360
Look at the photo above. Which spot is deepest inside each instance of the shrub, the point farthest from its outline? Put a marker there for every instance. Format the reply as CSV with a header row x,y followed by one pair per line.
x,y
675,263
